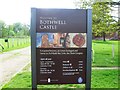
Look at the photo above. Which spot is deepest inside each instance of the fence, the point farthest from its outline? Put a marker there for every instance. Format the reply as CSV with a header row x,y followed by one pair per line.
x,y
13,42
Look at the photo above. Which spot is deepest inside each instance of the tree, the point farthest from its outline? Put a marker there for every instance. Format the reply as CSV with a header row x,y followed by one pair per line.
x,y
26,29
84,3
17,28
3,29
103,23
11,30
21,29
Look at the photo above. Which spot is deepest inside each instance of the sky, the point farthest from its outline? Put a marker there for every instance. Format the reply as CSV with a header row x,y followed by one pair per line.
x,y
12,11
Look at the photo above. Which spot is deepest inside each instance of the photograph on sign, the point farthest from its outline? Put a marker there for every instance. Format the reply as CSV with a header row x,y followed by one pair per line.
x,y
61,40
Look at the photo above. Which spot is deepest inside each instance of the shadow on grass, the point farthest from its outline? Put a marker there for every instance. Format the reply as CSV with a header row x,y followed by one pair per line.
x,y
102,42
100,79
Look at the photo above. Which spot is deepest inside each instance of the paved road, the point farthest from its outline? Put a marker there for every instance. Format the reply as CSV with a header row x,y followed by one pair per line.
x,y
12,62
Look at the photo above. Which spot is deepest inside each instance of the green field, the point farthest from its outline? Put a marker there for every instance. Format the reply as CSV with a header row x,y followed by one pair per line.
x,y
100,79
14,43
102,53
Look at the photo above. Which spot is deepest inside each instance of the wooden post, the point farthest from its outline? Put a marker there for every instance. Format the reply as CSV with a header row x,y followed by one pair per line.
x,y
33,48
113,51
89,50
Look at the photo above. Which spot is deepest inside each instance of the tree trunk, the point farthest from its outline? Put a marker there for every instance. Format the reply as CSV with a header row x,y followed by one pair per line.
x,y
104,36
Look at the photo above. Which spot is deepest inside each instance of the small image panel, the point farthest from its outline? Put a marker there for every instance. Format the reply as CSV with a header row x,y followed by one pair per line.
x,y
61,40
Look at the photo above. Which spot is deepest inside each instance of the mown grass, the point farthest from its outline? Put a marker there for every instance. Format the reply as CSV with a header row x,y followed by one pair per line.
x,y
14,43
102,53
100,79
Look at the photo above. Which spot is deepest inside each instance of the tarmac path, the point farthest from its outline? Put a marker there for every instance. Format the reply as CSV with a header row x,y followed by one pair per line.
x,y
13,62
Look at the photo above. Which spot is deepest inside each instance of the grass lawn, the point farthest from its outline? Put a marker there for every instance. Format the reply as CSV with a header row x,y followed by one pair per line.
x,y
103,53
14,43
100,79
